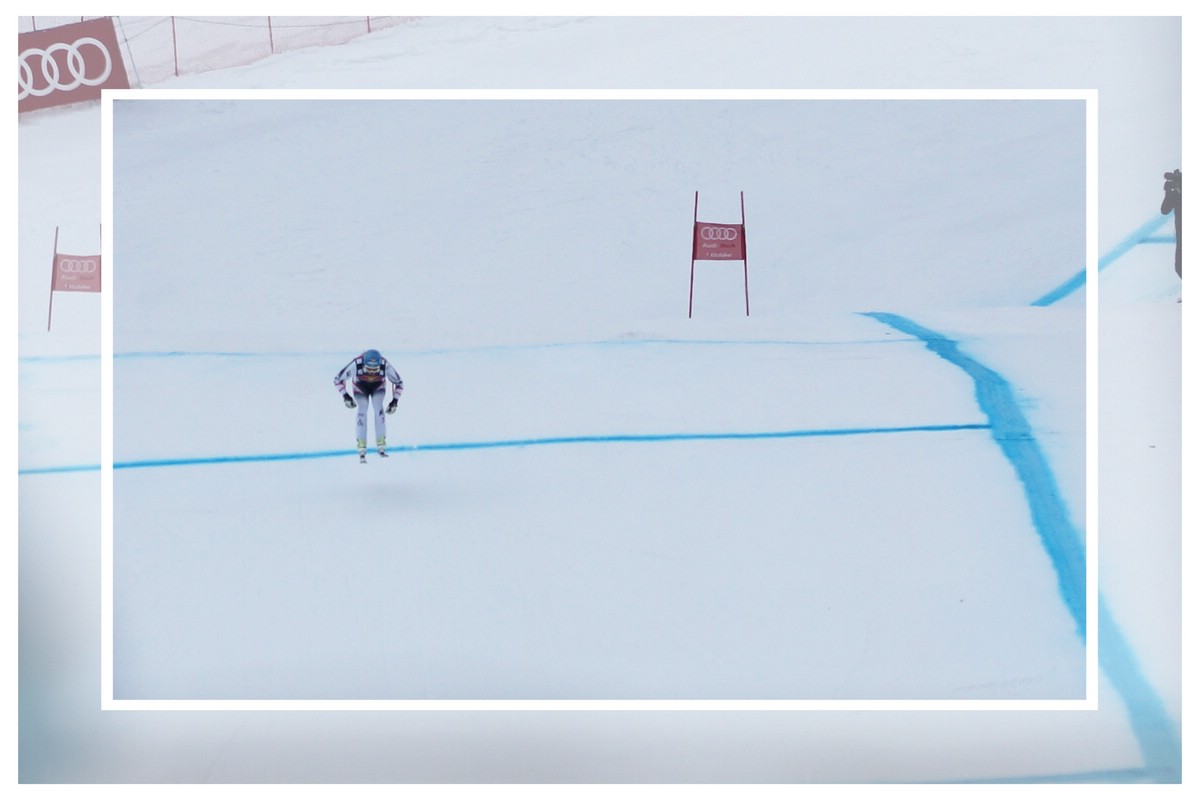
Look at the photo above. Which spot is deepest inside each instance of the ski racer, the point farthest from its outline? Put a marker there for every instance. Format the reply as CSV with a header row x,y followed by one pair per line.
x,y
368,374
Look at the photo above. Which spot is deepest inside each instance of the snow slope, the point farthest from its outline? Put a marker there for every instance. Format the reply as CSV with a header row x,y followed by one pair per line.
x,y
426,224
592,496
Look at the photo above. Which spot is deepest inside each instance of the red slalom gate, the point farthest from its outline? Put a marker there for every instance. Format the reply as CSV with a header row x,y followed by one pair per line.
x,y
70,273
718,241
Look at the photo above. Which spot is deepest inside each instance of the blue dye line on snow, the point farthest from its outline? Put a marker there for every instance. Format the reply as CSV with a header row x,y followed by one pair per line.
x,y
1152,726
1161,747
1013,433
1142,234
58,359
59,470
489,348
550,440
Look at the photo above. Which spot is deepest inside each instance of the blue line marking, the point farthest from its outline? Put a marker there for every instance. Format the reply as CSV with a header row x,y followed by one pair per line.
x,y
638,342
1152,726
680,437
338,357
1142,234
1013,433
59,470
533,442
1161,747
58,359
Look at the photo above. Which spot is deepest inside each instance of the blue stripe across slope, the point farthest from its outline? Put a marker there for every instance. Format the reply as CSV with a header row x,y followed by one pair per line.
x,y
1076,281
1156,733
138,355
1013,433
559,440
532,442
1152,726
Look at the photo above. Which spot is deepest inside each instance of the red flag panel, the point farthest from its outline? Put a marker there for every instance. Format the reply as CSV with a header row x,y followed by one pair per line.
x,y
714,241
76,273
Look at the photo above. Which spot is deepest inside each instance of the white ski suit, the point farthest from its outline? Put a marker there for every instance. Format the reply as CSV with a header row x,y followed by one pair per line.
x,y
369,387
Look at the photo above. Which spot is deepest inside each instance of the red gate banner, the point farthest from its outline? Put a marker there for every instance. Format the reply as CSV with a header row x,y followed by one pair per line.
x,y
68,64
76,273
712,241
719,241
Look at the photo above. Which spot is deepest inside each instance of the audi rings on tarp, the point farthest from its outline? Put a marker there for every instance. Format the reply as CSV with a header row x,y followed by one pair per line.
x,y
714,241
70,273
716,233
68,64
76,273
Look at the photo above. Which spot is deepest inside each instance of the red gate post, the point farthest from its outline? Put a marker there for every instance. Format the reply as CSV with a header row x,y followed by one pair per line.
x,y
745,260
175,46
53,276
72,273
692,282
714,241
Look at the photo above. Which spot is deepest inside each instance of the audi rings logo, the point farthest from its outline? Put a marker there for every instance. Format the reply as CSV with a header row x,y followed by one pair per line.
x,y
77,266
78,71
713,233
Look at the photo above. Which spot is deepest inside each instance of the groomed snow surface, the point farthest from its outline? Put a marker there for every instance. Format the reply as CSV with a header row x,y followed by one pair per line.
x,y
590,496
614,569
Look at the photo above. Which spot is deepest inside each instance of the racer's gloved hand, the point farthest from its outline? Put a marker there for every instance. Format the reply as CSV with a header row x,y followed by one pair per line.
x,y
391,409
349,401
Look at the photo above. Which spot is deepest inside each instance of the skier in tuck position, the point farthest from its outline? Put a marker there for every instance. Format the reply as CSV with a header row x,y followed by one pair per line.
x,y
368,375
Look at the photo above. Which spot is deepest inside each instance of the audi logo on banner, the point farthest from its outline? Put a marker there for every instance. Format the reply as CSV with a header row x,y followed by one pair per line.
x,y
74,273
716,242
68,64
712,233
53,79
77,266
